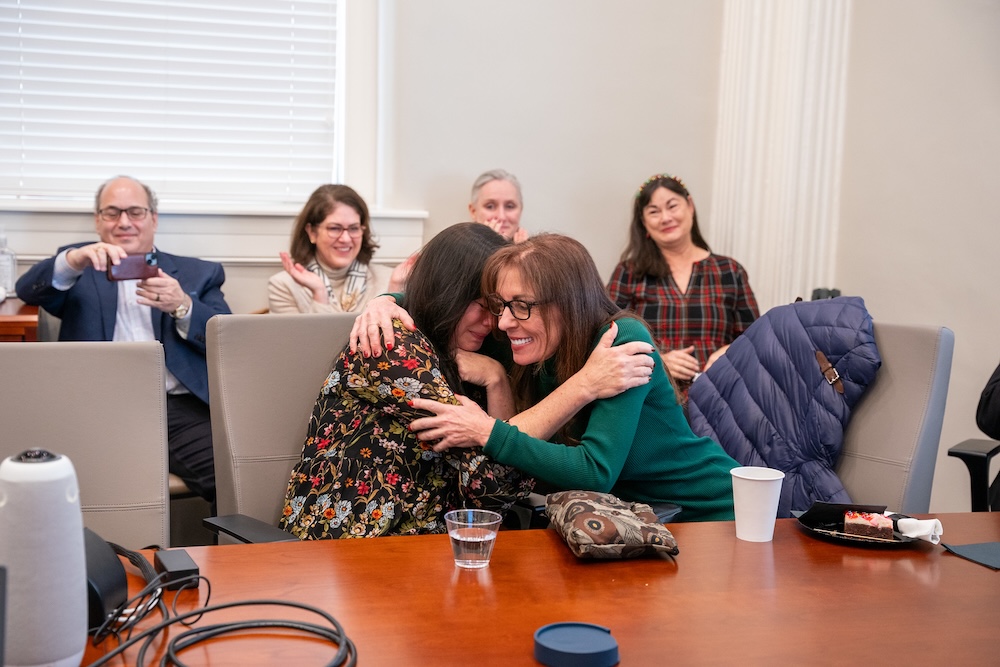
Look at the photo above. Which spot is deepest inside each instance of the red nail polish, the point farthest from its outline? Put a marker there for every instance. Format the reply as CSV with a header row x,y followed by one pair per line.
x,y
410,403
388,346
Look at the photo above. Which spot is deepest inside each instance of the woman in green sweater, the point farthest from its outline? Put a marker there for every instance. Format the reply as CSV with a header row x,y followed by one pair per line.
x,y
551,303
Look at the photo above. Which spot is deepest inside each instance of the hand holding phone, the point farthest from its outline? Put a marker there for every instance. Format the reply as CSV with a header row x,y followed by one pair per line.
x,y
134,267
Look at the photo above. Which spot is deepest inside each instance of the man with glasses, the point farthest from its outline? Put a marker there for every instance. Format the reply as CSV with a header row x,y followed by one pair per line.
x,y
172,305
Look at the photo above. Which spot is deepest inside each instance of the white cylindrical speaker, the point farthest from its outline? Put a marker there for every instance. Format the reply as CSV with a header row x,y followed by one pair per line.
x,y
41,545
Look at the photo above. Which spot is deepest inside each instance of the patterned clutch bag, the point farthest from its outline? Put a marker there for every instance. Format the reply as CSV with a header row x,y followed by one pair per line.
x,y
602,526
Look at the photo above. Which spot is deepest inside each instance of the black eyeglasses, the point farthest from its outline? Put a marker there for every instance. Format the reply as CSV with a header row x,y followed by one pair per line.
x,y
519,308
113,213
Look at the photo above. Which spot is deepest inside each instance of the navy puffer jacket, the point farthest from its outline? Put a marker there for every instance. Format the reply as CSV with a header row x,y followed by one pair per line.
x,y
767,402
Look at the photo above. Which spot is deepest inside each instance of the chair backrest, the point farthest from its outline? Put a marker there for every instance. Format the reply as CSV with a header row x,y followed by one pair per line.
x,y
264,374
48,326
103,405
891,442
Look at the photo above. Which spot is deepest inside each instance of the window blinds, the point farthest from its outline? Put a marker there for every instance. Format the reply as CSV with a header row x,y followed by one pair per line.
x,y
225,101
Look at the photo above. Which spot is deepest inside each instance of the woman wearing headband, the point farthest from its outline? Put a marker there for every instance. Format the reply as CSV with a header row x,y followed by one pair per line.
x,y
695,302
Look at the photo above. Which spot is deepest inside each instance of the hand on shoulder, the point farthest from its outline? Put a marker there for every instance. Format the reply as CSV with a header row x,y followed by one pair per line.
x,y
375,324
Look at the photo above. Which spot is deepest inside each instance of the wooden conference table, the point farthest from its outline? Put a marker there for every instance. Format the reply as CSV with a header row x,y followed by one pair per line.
x,y
796,600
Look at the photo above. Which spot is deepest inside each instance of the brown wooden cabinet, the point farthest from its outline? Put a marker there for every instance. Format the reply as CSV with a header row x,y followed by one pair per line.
x,y
18,321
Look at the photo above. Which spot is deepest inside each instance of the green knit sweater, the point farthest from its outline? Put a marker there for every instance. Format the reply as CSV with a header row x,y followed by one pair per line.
x,y
636,445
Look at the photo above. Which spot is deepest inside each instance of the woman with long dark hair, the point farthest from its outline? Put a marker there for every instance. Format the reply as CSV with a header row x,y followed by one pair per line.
x,y
363,473
695,302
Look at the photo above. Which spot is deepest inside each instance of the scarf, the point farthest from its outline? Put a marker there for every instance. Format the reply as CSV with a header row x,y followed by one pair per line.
x,y
354,287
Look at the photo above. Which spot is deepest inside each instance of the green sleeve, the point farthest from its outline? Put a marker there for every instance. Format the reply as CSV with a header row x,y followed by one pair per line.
x,y
597,462
398,296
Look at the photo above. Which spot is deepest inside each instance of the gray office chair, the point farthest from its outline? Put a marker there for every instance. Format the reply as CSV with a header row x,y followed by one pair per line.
x,y
264,373
48,326
891,443
976,453
103,405
187,509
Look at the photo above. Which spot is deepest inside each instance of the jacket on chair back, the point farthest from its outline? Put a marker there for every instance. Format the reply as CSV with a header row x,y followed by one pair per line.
x,y
782,394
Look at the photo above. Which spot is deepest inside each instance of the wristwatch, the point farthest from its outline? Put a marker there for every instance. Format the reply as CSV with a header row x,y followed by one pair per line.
x,y
181,312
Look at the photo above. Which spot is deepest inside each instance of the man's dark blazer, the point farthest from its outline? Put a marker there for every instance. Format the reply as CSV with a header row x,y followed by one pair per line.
x,y
89,308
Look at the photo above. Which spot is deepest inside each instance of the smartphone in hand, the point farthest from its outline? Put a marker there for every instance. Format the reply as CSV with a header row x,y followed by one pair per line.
x,y
134,267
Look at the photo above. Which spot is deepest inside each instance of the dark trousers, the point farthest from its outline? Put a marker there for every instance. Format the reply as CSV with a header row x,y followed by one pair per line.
x,y
189,443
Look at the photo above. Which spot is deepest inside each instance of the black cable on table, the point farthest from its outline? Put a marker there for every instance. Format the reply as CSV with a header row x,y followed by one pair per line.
x,y
196,635
346,655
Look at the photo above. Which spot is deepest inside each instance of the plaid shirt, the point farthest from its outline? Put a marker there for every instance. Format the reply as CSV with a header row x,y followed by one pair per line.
x,y
717,307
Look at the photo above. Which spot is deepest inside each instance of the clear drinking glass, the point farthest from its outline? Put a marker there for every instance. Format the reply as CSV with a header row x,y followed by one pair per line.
x,y
472,534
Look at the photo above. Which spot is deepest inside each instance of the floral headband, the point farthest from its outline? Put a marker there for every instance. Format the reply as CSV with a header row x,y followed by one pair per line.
x,y
656,177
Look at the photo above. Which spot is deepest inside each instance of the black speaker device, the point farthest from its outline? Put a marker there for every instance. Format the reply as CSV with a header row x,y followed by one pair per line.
x,y
107,585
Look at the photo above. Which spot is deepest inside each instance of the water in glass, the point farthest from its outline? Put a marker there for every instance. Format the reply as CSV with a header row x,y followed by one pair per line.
x,y
472,546
472,533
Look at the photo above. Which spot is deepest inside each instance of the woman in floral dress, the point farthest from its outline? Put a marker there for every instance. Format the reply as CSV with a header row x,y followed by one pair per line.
x,y
362,472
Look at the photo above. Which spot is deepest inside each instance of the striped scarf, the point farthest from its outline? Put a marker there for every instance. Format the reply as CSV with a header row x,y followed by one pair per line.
x,y
354,287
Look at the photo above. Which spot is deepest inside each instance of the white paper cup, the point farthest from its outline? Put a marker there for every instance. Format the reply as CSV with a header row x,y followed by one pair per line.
x,y
755,498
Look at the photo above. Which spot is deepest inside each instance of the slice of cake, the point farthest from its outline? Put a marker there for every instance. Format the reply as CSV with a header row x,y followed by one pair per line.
x,y
866,524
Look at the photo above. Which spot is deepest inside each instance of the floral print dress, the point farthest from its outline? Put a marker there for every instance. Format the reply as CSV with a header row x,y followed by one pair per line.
x,y
364,474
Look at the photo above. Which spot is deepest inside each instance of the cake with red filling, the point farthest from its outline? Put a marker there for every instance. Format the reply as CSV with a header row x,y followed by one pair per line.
x,y
867,524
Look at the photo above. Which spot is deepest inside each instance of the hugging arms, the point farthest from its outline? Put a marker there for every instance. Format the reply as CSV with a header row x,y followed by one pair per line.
x,y
610,370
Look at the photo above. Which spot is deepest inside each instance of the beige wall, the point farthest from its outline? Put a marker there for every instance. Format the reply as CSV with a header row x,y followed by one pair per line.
x,y
582,100
919,233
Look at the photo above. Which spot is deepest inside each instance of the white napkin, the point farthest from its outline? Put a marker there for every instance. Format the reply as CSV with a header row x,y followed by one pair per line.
x,y
929,530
